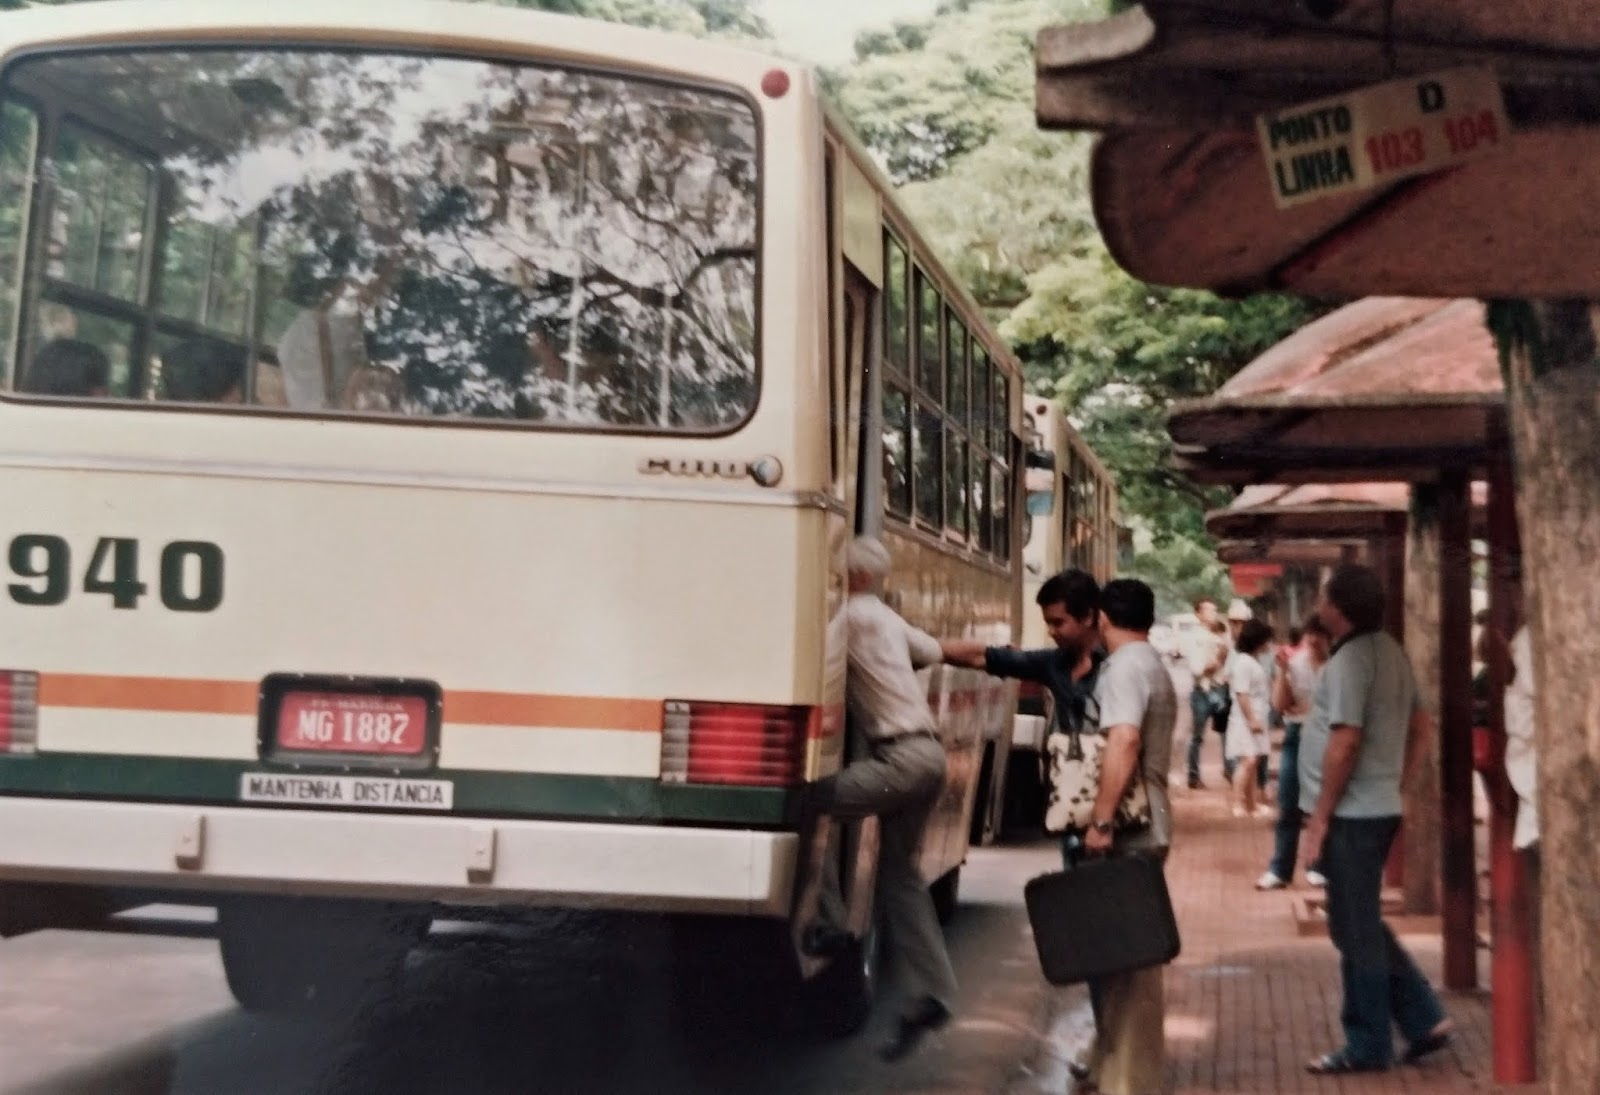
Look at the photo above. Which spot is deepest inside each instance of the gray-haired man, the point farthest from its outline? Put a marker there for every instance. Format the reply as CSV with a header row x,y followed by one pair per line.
x,y
898,783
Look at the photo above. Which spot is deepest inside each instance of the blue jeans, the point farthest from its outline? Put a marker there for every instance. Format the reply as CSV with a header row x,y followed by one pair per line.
x,y
1286,834
1208,706
1382,985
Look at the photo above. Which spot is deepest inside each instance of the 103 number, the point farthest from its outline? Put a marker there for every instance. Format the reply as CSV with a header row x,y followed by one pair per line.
x,y
191,572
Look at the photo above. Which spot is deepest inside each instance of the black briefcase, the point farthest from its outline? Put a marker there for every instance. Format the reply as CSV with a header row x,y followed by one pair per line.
x,y
1103,916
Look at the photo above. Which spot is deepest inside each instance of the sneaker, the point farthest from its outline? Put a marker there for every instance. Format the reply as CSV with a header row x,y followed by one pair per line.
x,y
1264,812
1270,881
1317,879
1238,811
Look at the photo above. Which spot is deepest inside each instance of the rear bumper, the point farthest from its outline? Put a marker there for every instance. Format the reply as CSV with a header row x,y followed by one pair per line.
x,y
451,860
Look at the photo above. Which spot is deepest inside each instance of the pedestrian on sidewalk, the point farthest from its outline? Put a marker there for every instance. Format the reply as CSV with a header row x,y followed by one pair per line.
x,y
1299,670
1206,655
1367,731
1138,710
898,783
1248,744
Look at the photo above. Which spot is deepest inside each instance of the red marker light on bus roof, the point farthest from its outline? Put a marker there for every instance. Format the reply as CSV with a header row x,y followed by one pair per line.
x,y
775,84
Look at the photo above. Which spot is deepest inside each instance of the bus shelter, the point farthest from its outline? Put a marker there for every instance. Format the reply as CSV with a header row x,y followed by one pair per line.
x,y
1183,194
1406,393
1306,528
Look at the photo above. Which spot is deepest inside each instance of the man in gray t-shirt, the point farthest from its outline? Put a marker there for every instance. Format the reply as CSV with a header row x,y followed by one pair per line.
x,y
1135,689
1138,708
1366,729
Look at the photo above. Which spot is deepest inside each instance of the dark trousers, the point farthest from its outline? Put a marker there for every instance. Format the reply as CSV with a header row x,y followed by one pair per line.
x,y
1382,985
1286,834
1203,706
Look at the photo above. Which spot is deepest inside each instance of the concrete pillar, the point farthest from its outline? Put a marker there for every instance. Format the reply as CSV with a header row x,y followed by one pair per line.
x,y
1459,860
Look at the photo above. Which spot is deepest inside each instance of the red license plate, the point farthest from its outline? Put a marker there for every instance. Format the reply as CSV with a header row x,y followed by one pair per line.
x,y
335,722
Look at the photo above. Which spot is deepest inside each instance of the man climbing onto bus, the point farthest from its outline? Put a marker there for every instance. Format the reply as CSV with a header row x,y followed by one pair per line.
x,y
898,783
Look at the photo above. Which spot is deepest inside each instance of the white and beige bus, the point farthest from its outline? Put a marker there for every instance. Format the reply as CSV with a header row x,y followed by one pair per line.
x,y
1071,521
431,433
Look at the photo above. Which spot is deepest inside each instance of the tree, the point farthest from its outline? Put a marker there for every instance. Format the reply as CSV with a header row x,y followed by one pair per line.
x,y
703,18
1118,353
946,104
924,93
1550,351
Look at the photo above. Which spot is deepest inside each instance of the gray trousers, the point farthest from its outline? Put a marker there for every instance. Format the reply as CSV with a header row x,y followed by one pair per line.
x,y
898,783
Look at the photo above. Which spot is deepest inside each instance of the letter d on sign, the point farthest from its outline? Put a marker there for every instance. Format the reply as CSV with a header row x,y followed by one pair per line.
x,y
1430,96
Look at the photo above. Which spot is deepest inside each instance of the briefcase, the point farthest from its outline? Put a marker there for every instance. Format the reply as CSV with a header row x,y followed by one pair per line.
x,y
1103,916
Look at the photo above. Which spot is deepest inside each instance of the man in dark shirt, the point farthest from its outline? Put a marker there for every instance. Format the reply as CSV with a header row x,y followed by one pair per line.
x,y
1070,602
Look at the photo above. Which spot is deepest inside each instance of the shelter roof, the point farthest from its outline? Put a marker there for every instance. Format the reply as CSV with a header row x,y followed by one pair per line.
x,y
1181,187
1321,512
1385,388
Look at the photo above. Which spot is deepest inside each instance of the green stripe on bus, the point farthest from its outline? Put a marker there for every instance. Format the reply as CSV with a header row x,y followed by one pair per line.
x,y
600,798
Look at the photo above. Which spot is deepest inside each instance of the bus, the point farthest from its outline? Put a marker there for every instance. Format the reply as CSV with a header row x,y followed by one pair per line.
x,y
1071,521
432,437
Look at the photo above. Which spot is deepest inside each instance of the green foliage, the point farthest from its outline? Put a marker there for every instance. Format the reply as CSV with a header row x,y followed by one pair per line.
x,y
1181,573
924,93
947,104
703,18
1118,353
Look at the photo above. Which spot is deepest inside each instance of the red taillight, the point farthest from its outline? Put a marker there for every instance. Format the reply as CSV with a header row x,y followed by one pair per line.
x,y
751,745
19,711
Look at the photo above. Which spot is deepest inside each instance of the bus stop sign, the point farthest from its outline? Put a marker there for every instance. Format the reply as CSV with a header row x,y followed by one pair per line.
x,y
1376,135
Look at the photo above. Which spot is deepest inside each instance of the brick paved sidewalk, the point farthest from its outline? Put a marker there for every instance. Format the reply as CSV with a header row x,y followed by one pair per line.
x,y
1250,1000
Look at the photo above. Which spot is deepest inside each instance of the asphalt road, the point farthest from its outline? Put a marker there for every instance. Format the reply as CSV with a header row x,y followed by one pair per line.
x,y
572,1003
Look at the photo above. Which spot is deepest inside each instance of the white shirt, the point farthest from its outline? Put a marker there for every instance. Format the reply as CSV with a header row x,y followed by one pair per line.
x,y
1303,676
883,692
1521,758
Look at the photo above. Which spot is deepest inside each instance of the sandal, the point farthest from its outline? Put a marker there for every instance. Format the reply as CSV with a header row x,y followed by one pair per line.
x,y
1426,1046
1340,1063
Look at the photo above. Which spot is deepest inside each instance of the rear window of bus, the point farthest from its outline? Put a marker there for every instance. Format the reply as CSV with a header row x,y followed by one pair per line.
x,y
379,234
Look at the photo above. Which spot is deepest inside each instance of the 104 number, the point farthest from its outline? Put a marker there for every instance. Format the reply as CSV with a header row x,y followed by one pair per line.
x,y
191,572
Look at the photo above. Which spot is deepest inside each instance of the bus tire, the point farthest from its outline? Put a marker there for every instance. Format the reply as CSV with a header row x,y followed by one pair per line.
x,y
292,955
946,893
839,1000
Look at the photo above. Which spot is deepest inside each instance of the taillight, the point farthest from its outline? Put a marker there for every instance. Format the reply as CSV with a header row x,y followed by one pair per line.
x,y
19,711
752,745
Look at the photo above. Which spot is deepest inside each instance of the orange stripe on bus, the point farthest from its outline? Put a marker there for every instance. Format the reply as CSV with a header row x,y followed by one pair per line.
x,y
148,694
566,712
200,697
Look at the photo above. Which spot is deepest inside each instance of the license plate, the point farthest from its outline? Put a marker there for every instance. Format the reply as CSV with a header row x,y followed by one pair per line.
x,y
372,792
358,723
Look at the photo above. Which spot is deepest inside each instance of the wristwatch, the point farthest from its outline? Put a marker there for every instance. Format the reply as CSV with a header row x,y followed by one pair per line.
x,y
1107,827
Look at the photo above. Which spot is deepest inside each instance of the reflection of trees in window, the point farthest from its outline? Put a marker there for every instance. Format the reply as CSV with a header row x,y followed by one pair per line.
x,y
927,443
97,233
930,367
18,133
896,450
896,306
517,242
955,483
955,358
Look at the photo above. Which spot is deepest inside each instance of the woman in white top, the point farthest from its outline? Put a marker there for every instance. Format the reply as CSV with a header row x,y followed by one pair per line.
x,y
1247,744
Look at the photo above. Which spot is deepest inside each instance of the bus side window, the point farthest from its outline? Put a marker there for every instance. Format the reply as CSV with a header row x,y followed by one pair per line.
x,y
19,134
